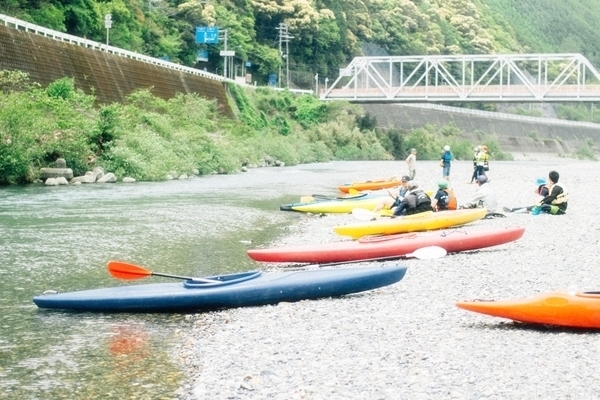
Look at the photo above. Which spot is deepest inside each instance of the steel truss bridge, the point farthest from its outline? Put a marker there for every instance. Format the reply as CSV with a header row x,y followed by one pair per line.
x,y
494,78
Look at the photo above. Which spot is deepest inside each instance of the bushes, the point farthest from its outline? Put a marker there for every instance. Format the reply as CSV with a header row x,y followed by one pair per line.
x,y
37,126
148,138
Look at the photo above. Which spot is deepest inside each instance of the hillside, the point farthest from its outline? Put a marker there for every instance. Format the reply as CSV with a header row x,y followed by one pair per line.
x,y
553,26
322,36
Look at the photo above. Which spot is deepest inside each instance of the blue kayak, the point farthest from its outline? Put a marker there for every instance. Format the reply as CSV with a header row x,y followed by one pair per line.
x,y
252,288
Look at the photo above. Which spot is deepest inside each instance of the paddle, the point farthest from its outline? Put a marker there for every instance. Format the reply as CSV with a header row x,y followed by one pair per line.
x,y
123,270
429,252
424,253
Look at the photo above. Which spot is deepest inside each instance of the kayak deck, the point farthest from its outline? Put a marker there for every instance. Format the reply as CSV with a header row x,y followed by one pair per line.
x,y
262,289
578,310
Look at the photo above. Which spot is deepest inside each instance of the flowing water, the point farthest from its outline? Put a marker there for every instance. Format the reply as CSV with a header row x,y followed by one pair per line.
x,y
60,238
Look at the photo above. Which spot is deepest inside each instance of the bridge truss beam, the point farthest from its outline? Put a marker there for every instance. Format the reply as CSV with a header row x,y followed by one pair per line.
x,y
467,78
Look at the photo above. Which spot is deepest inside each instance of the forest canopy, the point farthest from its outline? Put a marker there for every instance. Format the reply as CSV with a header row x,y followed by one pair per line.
x,y
321,36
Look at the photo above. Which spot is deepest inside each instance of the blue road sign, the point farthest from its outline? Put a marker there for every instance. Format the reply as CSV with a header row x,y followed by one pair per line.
x,y
202,55
207,34
272,79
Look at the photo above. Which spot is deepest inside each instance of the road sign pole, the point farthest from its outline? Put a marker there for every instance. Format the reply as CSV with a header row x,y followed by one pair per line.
x,y
107,25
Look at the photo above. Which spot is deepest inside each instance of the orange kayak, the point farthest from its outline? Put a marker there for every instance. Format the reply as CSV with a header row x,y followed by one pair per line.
x,y
369,185
578,310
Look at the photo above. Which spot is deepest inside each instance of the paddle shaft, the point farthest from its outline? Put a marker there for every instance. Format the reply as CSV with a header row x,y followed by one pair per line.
x,y
438,252
186,278
363,260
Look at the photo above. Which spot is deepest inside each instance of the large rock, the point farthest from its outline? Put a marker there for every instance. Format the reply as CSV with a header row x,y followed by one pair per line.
x,y
46,173
89,177
56,181
108,178
99,171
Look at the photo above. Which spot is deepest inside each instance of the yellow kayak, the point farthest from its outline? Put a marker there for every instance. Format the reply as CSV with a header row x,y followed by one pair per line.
x,y
413,223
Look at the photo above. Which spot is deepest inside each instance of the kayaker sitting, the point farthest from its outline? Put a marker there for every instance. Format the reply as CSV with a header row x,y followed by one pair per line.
x,y
556,201
541,186
416,201
484,196
392,201
444,198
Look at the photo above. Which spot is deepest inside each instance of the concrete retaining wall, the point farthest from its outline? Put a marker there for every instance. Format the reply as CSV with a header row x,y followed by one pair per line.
x,y
554,137
110,77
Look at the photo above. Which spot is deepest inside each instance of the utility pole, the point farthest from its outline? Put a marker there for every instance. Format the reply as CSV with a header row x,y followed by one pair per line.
x,y
284,37
226,54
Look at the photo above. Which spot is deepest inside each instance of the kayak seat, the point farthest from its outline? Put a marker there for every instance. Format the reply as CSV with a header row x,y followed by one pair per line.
x,y
224,280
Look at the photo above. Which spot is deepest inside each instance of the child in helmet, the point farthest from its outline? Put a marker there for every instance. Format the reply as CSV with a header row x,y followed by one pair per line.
x,y
444,198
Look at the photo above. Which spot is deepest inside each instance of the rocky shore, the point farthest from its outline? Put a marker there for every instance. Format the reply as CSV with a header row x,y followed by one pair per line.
x,y
409,340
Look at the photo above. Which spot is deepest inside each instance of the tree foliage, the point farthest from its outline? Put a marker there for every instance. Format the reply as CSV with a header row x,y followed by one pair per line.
x,y
326,34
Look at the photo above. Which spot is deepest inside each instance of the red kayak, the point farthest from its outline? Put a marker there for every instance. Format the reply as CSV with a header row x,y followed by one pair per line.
x,y
389,246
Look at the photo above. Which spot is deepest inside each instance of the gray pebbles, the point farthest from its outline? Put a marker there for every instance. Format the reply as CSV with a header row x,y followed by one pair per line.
x,y
409,340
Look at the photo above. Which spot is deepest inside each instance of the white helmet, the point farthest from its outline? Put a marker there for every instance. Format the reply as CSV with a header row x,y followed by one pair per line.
x,y
446,148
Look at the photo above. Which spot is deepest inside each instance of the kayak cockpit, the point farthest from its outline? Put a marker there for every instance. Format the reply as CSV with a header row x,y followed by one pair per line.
x,y
221,280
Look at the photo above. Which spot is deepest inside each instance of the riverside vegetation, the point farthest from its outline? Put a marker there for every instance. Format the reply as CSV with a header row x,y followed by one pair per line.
x,y
148,138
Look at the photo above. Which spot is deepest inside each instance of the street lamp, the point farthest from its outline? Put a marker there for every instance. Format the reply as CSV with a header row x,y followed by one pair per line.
x,y
107,25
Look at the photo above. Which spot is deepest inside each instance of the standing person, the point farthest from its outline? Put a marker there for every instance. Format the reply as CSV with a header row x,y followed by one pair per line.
x,y
484,196
482,160
475,152
444,198
445,162
411,161
541,189
393,201
416,201
556,202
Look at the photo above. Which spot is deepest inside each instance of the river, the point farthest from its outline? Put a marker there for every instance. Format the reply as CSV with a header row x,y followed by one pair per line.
x,y
60,238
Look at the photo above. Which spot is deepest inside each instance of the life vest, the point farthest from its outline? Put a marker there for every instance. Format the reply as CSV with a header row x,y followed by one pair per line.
x,y
446,157
449,201
421,202
561,198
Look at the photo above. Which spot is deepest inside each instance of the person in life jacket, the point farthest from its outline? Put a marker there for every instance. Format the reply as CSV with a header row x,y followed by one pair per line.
x,y
556,202
475,152
445,162
482,160
541,189
393,200
416,201
444,198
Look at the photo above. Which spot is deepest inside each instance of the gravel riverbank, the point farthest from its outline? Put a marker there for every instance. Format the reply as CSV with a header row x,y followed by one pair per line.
x,y
408,340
